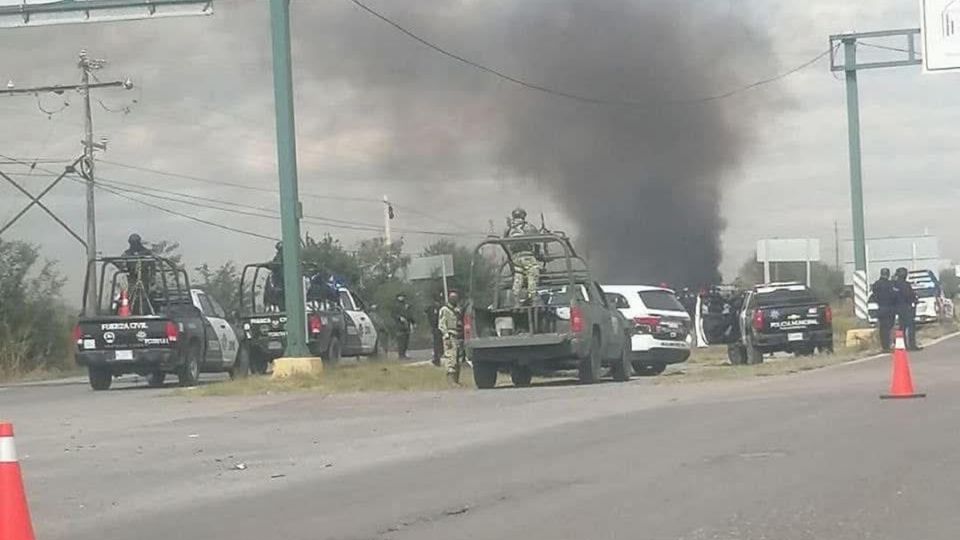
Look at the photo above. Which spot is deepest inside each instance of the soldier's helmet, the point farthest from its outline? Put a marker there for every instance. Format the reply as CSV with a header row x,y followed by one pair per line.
x,y
519,213
134,239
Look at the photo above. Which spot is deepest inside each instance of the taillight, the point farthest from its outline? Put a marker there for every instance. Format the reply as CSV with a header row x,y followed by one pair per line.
x,y
576,319
467,326
173,333
646,325
77,335
315,323
828,315
758,320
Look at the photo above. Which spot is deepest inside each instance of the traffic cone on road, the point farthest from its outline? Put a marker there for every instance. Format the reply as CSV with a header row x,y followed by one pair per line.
x,y
901,385
124,309
14,514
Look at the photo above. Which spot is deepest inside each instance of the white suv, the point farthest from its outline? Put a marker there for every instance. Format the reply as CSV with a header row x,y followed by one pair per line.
x,y
661,327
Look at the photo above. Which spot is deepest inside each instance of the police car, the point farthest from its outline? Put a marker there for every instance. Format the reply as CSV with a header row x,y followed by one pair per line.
x,y
932,304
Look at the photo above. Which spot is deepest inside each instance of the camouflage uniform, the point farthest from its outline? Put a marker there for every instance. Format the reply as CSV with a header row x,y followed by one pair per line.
x,y
526,267
450,324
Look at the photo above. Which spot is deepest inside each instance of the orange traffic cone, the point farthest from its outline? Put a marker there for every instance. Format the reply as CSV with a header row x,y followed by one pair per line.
x,y
901,385
14,514
124,309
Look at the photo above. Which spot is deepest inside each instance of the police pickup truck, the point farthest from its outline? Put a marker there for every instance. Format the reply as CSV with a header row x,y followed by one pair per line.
x,y
264,323
774,317
570,325
147,320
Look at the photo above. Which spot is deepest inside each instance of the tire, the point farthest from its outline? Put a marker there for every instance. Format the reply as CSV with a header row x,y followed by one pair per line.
x,y
332,355
100,378
806,351
754,355
241,368
737,354
485,375
590,367
521,376
155,379
648,370
189,372
622,369
376,348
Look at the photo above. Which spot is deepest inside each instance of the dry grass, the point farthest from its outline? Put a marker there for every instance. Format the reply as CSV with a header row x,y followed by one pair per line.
x,y
364,377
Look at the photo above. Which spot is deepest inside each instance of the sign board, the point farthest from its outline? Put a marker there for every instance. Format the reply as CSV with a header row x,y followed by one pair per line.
x,y
431,267
921,252
27,13
940,34
788,250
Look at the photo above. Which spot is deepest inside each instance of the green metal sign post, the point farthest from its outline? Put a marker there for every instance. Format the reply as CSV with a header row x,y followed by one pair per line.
x,y
290,209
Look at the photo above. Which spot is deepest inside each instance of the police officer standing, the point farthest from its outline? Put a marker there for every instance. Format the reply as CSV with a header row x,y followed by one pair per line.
x,y
450,325
136,247
433,319
526,267
906,307
883,293
404,321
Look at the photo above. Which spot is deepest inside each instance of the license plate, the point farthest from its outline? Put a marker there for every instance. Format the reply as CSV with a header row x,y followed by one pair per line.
x,y
795,336
275,346
123,355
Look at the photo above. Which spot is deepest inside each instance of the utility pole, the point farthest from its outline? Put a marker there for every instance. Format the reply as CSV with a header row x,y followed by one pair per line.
x,y
836,244
387,217
86,168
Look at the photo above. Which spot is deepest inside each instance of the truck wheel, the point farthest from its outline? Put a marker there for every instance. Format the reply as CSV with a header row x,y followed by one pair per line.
x,y
241,368
521,376
189,373
100,378
805,351
737,354
589,370
332,356
485,375
622,369
649,370
754,355
155,379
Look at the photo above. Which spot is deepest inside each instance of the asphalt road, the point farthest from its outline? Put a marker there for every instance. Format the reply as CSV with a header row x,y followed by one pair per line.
x,y
811,456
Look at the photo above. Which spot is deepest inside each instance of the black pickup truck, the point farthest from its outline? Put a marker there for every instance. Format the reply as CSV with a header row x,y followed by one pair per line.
x,y
148,321
776,317
263,321
569,326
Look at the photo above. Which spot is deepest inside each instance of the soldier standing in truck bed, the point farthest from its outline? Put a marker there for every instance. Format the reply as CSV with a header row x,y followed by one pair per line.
x,y
526,267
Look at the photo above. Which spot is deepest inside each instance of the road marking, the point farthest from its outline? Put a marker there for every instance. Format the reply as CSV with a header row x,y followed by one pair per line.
x,y
887,355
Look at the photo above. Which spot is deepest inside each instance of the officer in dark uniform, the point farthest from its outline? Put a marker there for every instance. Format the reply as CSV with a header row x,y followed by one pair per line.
x,y
403,323
136,247
906,308
433,319
139,275
882,292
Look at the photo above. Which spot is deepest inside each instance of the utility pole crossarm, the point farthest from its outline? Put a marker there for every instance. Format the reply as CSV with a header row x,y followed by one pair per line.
x,y
63,88
909,48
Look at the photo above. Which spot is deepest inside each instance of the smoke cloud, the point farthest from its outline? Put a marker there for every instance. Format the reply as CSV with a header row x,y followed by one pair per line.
x,y
642,183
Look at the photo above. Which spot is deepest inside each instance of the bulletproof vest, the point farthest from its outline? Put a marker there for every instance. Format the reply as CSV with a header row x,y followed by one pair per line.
x,y
521,228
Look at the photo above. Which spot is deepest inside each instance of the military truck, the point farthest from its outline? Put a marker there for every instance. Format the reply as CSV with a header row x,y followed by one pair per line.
x,y
568,326
147,320
263,321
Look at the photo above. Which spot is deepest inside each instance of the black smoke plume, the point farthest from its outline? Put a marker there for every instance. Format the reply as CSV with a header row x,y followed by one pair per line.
x,y
642,181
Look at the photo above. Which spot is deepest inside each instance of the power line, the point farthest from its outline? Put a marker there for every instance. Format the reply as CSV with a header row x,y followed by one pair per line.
x,y
884,47
570,95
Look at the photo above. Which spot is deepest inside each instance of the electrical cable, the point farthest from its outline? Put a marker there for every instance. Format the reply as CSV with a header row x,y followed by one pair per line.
x,y
579,97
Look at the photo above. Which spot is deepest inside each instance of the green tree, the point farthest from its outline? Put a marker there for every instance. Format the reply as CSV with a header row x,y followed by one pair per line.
x,y
330,256
464,258
34,325
168,250
222,283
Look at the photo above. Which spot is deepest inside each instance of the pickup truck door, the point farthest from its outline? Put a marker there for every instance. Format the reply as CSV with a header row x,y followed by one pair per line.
x,y
714,320
355,310
611,328
221,340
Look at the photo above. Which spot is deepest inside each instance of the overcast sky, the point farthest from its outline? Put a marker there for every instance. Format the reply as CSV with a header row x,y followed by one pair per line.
x,y
203,107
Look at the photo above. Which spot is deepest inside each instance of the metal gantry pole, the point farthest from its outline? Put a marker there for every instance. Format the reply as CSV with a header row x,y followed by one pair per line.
x,y
856,166
290,210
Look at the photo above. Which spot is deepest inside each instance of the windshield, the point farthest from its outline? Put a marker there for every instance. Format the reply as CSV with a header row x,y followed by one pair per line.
x,y
661,300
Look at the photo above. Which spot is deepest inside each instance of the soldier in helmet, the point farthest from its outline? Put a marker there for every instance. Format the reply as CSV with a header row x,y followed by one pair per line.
x,y
526,267
136,247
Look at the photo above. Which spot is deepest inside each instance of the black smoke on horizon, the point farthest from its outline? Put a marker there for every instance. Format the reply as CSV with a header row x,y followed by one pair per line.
x,y
643,183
